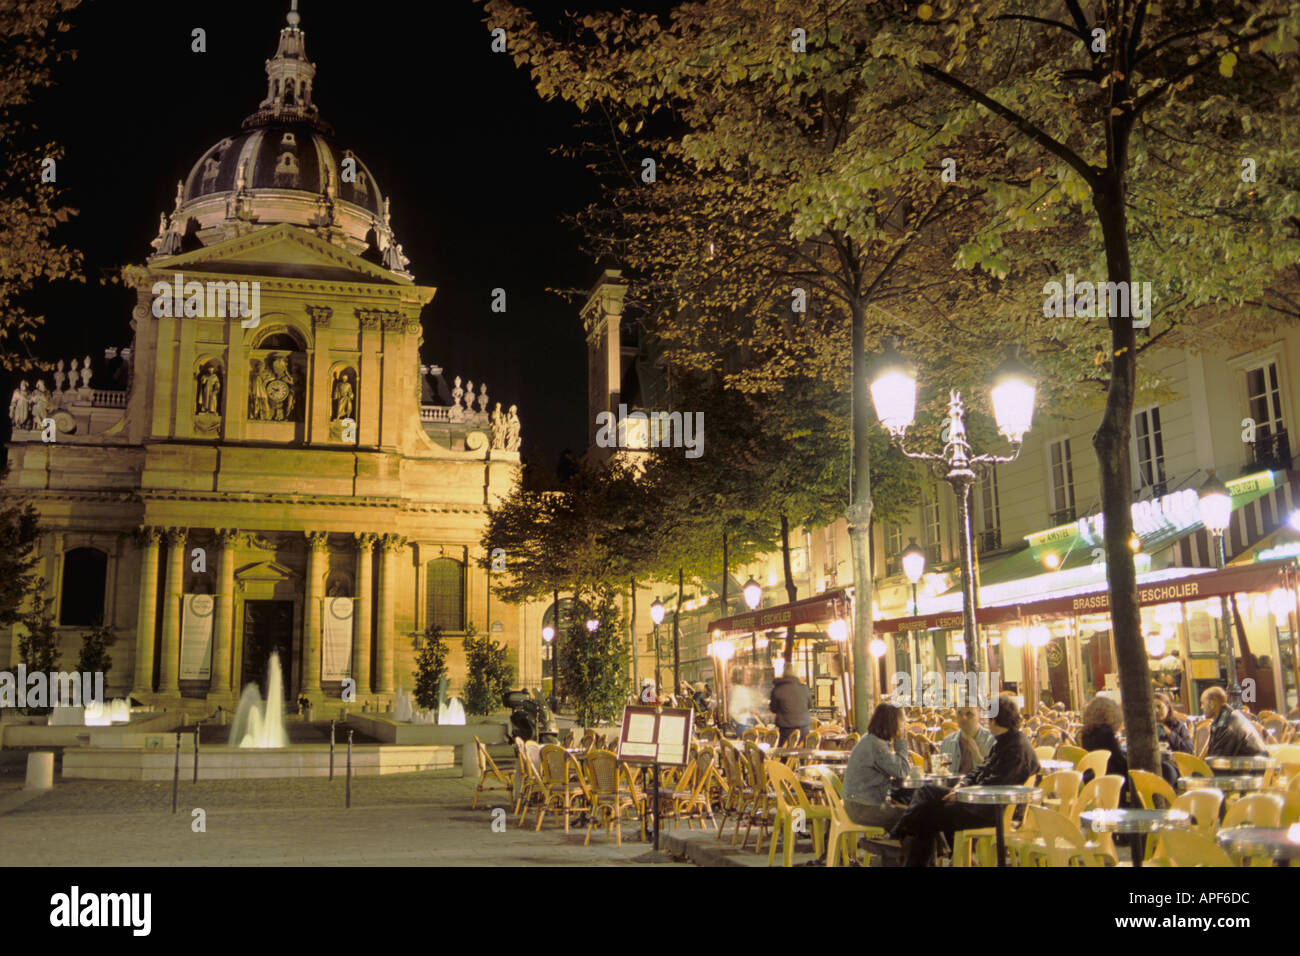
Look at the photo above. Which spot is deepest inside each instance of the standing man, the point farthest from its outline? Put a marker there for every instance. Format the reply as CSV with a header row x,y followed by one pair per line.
x,y
791,705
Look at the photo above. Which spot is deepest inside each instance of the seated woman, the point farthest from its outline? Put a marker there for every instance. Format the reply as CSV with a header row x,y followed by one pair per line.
x,y
1171,728
1102,721
879,760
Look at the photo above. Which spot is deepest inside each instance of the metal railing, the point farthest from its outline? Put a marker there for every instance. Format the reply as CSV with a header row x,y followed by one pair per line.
x,y
1271,451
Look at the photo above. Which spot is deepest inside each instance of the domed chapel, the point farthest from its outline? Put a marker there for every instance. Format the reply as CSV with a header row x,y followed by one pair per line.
x,y
268,466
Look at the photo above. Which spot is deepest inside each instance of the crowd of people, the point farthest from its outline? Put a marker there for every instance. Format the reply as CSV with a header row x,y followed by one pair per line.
x,y
1001,754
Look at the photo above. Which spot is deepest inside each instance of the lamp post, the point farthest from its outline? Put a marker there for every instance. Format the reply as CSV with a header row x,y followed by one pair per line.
x,y
913,566
893,391
657,616
548,635
1216,515
753,593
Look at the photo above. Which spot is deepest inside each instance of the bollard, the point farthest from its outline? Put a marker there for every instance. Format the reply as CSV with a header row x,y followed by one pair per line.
x,y
40,770
348,805
196,753
176,773
331,750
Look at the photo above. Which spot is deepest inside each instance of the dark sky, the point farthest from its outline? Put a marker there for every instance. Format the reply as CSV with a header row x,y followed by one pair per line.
x,y
454,133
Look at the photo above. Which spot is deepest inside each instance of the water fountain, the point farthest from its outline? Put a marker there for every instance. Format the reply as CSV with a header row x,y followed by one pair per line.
x,y
450,712
259,725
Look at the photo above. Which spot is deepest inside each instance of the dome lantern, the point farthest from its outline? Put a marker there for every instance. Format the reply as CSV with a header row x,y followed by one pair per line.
x,y
289,80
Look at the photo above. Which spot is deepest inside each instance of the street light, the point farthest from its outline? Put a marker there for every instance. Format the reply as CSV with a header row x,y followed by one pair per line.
x,y
657,616
593,625
753,593
1216,515
893,391
548,633
913,566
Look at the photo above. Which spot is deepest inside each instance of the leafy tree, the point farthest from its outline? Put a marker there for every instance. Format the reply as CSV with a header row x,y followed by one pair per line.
x,y
93,658
38,648
596,662
30,208
430,668
19,532
490,675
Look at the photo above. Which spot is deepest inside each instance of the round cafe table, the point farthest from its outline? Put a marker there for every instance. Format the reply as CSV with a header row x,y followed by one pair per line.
x,y
1137,822
917,781
999,797
1231,765
1236,784
1280,843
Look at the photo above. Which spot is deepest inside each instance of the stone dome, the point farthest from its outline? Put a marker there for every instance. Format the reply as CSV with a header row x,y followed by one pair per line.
x,y
285,166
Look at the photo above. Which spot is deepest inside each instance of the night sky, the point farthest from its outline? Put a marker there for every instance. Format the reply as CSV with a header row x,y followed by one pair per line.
x,y
454,133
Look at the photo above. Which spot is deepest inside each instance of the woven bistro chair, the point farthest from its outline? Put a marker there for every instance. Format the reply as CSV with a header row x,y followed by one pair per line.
x,y
692,800
490,776
532,788
761,808
739,791
566,790
567,740
608,798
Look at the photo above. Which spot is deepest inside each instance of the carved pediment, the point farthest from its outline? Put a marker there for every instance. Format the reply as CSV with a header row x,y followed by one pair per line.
x,y
265,572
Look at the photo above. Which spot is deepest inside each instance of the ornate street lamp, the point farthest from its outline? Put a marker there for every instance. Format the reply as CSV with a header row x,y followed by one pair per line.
x,y
913,559
1216,515
753,593
657,616
893,391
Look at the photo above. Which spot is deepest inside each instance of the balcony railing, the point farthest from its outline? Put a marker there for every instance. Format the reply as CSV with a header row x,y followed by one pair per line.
x,y
1271,451
1064,516
990,540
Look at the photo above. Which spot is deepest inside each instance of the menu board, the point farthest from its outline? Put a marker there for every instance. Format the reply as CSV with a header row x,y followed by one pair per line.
x,y
656,735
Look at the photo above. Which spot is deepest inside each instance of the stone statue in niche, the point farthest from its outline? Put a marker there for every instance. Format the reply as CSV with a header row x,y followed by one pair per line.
x,y
273,389
498,428
512,429
344,394
20,404
209,390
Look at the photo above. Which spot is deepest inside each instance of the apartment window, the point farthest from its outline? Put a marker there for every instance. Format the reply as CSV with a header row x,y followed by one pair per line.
x,y
1272,446
446,594
988,516
1062,481
893,549
85,576
1149,450
930,527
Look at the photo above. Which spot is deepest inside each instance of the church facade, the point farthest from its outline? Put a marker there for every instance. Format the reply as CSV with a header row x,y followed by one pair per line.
x,y
276,471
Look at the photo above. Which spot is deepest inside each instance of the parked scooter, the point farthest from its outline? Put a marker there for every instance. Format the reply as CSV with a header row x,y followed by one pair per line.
x,y
530,718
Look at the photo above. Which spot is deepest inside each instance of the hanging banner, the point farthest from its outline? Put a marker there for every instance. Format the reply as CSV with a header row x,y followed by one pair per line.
x,y
336,646
196,636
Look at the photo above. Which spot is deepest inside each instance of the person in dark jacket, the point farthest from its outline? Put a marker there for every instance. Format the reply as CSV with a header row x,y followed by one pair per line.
x,y
1231,734
934,809
1102,722
1171,728
791,706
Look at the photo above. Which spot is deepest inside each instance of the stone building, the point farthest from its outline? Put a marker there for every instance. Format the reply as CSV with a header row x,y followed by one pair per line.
x,y
274,469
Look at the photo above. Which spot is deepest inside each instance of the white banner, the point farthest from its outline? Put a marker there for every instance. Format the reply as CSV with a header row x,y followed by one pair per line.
x,y
196,637
336,647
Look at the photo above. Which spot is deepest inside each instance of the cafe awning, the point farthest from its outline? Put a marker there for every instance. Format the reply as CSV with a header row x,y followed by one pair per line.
x,y
820,608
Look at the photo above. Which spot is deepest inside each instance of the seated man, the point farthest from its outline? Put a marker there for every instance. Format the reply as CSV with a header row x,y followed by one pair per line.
x,y
1231,734
968,747
934,809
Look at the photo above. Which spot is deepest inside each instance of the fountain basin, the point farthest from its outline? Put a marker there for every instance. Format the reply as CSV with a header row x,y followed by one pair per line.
x,y
157,758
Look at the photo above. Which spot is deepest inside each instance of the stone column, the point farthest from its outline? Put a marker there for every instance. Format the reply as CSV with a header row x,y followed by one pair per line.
x,y
224,624
146,618
391,545
315,594
361,611
170,665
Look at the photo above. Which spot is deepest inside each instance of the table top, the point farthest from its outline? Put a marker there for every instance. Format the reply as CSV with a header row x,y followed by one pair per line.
x,y
997,795
1278,842
811,769
829,755
1051,766
1232,784
1240,763
1124,820
942,779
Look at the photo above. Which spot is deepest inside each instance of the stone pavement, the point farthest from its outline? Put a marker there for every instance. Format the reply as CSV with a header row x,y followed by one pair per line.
x,y
417,819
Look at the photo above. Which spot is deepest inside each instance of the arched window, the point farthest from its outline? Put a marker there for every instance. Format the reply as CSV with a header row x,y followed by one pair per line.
x,y
446,587
85,573
280,339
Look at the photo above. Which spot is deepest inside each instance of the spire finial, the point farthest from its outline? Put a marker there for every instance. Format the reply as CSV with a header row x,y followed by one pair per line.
x,y
293,16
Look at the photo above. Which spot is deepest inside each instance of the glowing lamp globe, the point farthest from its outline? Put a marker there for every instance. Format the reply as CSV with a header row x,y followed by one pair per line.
x,y
913,560
548,633
893,392
877,647
1013,399
657,611
1215,505
1016,636
1156,644
838,630
593,625
724,650
1039,635
753,593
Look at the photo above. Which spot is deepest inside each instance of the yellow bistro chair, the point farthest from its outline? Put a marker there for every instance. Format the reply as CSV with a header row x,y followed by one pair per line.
x,y
1062,843
1071,753
790,798
1186,848
490,776
842,830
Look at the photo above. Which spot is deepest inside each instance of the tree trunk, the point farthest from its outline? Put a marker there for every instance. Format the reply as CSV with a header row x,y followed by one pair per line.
x,y
555,649
1111,442
725,575
791,592
677,636
631,628
859,520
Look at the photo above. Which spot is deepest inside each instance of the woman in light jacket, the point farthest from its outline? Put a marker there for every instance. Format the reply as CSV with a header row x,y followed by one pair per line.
x,y
879,761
